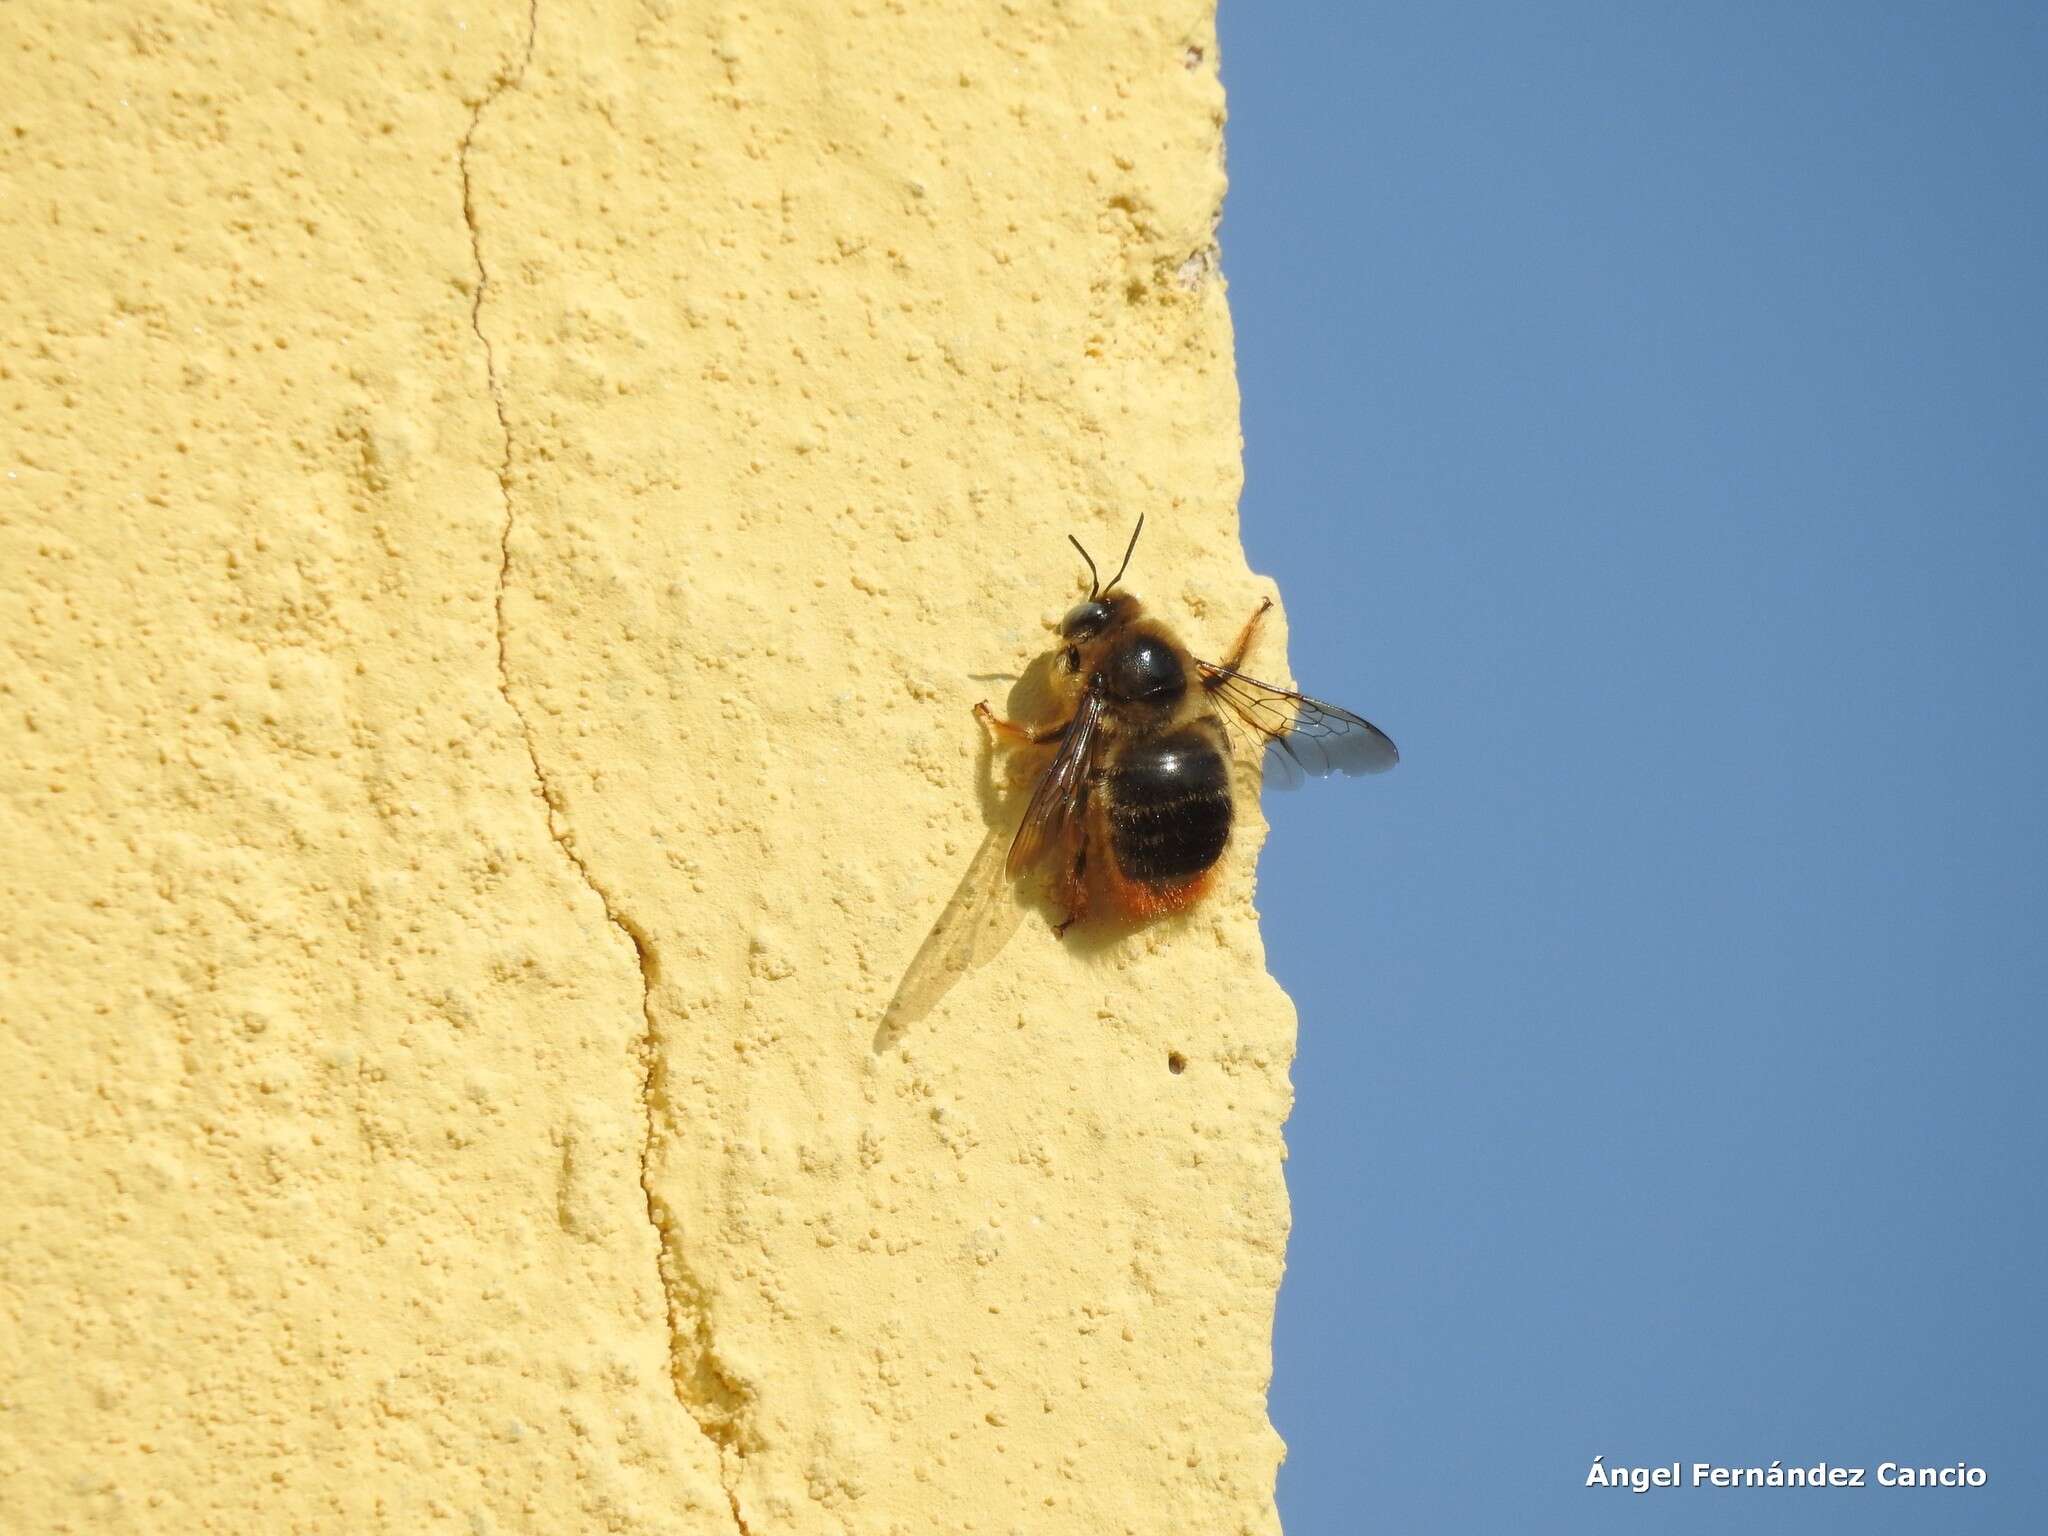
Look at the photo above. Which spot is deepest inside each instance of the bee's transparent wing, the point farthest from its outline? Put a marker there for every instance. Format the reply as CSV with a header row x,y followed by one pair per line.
x,y
977,922
1060,792
982,914
1301,736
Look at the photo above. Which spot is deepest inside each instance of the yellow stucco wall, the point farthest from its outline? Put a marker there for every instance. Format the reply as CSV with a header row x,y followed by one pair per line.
x,y
505,514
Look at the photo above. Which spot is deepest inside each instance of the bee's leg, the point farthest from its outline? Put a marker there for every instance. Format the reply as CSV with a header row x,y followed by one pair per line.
x,y
1242,646
1010,730
1070,890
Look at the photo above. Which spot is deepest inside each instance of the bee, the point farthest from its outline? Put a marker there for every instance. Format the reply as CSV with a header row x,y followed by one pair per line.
x,y
1136,806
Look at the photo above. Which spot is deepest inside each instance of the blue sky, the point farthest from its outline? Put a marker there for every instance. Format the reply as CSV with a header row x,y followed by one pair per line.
x,y
1646,419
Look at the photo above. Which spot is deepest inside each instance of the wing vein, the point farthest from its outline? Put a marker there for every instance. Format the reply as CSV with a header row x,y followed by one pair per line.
x,y
1301,735
1060,790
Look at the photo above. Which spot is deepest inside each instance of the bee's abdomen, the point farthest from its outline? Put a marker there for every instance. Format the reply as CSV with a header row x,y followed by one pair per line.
x,y
1169,806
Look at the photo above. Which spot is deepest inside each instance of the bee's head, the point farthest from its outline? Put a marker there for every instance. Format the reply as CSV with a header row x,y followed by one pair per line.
x,y
1091,625
1084,621
1091,620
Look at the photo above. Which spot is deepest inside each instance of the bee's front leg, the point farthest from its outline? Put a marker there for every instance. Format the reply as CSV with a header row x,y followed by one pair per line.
x,y
1010,730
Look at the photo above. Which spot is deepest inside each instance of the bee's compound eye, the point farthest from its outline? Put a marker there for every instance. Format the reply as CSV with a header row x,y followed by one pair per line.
x,y
1085,619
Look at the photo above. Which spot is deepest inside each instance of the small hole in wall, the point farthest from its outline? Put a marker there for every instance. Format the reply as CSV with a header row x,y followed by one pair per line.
x,y
1176,1063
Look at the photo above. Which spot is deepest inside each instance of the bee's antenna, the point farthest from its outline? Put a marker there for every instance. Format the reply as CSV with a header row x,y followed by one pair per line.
x,y
1119,576
1094,581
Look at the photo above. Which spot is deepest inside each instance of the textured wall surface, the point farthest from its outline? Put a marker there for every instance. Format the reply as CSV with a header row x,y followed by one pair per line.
x,y
506,512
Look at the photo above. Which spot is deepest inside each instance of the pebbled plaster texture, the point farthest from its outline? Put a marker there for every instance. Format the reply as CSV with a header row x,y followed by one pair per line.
x,y
506,510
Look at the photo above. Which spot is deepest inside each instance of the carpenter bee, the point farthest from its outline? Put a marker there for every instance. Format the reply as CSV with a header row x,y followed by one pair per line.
x,y
1135,808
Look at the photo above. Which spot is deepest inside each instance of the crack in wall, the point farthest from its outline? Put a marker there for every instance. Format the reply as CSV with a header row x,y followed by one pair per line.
x,y
707,1391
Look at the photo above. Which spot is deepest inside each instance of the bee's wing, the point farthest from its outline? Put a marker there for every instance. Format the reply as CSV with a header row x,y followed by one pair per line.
x,y
1059,792
1300,735
976,923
